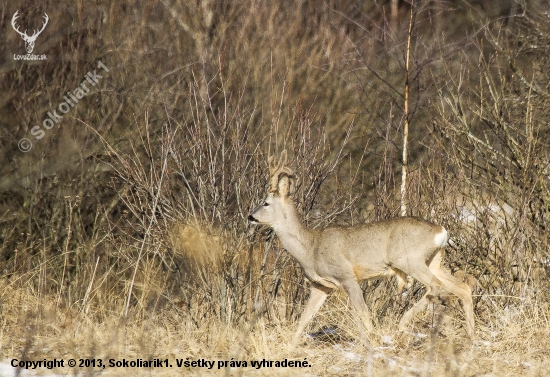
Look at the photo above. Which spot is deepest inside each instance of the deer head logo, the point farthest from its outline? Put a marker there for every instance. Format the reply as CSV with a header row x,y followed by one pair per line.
x,y
29,40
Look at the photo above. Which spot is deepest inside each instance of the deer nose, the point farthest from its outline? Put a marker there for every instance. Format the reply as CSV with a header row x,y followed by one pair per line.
x,y
251,218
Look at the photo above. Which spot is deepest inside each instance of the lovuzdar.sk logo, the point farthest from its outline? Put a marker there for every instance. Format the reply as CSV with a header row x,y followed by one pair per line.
x,y
29,39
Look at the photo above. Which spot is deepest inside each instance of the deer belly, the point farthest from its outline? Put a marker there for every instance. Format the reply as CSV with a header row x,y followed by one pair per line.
x,y
370,272
318,279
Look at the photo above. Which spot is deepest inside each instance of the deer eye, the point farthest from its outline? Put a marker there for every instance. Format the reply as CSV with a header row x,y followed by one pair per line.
x,y
266,204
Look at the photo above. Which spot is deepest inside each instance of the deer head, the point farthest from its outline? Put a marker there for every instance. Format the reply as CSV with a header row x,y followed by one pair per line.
x,y
29,40
277,207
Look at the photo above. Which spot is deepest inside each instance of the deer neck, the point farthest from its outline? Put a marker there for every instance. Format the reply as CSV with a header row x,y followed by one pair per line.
x,y
295,237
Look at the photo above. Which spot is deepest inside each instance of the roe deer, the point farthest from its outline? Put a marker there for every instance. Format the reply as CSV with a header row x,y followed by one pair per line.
x,y
340,257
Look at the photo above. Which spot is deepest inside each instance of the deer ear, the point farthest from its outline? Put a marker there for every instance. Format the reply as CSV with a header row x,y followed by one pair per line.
x,y
291,185
284,186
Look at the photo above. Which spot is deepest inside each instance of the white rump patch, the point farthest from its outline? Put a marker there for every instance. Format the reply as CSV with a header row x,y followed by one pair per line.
x,y
441,239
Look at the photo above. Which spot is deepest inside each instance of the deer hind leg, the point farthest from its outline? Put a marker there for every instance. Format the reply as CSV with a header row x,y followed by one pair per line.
x,y
403,280
416,308
317,297
456,287
422,273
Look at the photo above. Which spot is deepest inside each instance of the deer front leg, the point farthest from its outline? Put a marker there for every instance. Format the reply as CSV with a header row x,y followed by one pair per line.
x,y
317,297
352,288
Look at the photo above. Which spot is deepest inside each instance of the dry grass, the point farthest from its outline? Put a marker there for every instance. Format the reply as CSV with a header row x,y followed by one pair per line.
x,y
512,341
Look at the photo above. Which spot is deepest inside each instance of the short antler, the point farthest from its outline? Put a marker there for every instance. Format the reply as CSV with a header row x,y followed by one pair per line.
x,y
278,170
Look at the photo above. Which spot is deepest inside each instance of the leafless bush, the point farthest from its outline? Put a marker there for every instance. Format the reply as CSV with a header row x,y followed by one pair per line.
x,y
494,123
136,205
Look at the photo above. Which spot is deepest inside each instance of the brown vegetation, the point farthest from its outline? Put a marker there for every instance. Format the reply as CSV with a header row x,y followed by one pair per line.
x,y
124,230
